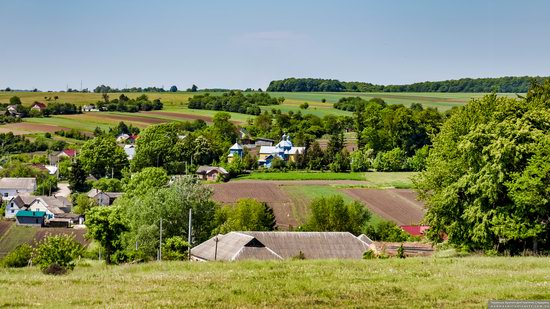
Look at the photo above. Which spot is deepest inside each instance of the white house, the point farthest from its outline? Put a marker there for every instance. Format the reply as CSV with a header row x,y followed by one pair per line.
x,y
11,187
103,198
20,202
51,205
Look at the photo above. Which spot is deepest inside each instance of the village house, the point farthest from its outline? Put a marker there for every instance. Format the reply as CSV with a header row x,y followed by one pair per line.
x,y
10,187
211,173
31,218
262,141
103,198
90,108
51,205
65,153
38,106
17,203
11,110
284,150
235,246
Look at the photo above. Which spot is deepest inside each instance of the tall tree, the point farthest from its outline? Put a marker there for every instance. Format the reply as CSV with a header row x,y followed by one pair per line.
x,y
487,176
106,225
101,157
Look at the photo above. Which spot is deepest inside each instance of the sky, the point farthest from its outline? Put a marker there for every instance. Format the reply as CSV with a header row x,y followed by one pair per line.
x,y
54,44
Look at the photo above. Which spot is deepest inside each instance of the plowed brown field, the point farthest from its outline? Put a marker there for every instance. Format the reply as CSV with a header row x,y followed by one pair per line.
x,y
270,193
397,205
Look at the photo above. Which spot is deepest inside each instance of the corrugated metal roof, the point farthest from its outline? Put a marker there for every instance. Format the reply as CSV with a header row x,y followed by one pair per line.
x,y
28,184
28,213
281,245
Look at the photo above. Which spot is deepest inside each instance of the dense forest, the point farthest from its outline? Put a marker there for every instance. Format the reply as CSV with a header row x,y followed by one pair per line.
x,y
509,84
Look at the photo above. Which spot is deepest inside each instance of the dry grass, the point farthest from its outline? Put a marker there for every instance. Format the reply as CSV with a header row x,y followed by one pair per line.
x,y
415,282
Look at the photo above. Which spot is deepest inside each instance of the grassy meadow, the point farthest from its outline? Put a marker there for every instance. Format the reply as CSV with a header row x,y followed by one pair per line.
x,y
468,282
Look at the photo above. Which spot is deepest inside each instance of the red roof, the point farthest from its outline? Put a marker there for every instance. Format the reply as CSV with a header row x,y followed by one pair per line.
x,y
39,105
415,230
70,152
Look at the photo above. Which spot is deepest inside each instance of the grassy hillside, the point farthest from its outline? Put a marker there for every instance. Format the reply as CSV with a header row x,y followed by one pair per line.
x,y
415,282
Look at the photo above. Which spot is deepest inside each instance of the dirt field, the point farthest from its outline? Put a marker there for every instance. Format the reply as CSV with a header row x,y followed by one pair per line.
x,y
77,233
25,128
4,227
270,193
397,205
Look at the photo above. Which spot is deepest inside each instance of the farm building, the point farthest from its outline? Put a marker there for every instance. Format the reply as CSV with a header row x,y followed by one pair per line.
x,y
58,156
236,246
90,108
210,172
103,198
261,141
17,203
284,150
11,187
31,218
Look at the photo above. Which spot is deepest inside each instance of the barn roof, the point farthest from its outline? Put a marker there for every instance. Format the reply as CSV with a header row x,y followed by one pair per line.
x,y
281,245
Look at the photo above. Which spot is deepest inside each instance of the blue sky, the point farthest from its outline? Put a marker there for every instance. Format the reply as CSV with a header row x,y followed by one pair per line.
x,y
240,44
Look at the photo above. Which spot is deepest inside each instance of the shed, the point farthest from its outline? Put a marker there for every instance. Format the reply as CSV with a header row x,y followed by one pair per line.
x,y
30,218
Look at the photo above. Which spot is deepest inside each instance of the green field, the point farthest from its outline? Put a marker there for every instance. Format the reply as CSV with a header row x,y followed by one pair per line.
x,y
395,283
15,236
176,107
371,179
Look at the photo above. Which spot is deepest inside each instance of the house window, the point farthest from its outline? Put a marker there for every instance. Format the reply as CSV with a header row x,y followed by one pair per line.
x,y
12,211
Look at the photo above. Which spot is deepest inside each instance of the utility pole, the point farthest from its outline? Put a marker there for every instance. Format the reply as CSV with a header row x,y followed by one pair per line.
x,y
160,241
189,234
216,250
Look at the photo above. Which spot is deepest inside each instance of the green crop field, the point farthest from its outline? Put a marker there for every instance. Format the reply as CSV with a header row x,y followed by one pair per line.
x,y
176,107
370,179
468,282
15,236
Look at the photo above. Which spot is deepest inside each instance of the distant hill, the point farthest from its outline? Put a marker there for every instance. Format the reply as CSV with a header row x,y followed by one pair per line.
x,y
511,84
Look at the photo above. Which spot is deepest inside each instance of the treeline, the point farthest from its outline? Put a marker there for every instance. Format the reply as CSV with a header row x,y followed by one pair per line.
x,y
234,101
19,144
109,89
510,84
126,104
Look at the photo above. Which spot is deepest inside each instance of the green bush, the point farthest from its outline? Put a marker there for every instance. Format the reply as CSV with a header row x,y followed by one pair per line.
x,y
175,249
390,161
19,257
62,250
369,255
385,231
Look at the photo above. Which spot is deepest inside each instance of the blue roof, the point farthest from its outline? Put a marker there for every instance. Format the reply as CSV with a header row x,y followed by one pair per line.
x,y
28,213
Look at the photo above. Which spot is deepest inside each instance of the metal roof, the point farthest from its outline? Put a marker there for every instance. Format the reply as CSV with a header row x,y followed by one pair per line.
x,y
281,245
18,183
28,213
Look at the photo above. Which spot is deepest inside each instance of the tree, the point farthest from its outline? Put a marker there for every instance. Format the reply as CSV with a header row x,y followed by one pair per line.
x,y
82,203
384,230
304,105
101,157
173,89
333,214
194,88
172,204
150,178
108,185
486,178
15,100
106,226
390,161
61,250
247,215
77,177
159,146
19,257
175,249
